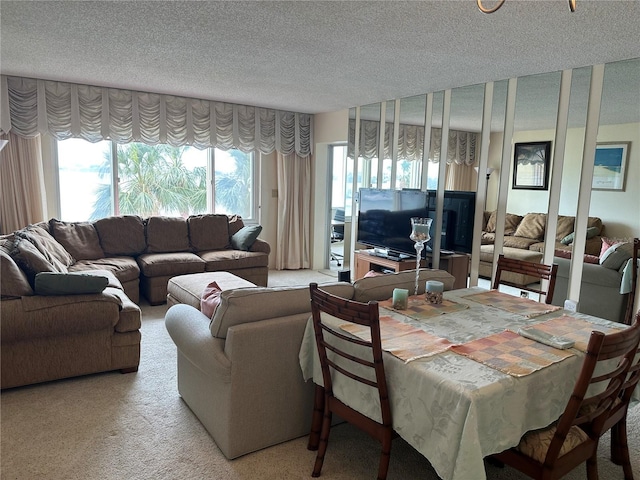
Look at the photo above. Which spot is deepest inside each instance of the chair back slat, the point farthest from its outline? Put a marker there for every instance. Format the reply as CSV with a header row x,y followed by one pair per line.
x,y
540,270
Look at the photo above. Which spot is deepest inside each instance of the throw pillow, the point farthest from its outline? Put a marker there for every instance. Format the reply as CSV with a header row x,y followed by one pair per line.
x,y
591,232
616,255
210,299
606,244
244,238
48,283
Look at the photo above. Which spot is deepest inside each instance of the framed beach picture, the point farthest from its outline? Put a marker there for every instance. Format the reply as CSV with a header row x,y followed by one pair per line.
x,y
609,166
531,165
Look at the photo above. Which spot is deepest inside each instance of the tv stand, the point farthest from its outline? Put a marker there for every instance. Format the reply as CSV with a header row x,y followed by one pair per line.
x,y
456,264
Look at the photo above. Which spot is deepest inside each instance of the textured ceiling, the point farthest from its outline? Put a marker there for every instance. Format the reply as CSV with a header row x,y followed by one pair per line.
x,y
311,56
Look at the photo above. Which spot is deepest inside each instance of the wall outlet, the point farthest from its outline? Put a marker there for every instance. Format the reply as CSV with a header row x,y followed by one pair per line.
x,y
524,294
571,305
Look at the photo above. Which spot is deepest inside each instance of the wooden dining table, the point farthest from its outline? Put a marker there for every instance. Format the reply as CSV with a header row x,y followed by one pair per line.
x,y
463,384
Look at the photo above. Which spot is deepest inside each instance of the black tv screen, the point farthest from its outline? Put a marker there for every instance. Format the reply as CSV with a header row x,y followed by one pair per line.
x,y
384,219
458,213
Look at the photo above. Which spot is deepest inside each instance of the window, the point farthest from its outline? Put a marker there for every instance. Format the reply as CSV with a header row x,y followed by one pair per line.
x,y
152,180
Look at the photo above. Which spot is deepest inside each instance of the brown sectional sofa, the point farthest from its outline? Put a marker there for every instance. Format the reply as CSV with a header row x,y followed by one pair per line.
x,y
524,240
53,336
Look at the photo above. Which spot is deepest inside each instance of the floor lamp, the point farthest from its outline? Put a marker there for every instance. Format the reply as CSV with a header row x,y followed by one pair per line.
x,y
489,171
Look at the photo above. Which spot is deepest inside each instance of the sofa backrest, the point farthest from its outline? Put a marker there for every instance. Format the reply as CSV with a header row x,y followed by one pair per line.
x,y
122,235
381,287
167,234
246,305
208,232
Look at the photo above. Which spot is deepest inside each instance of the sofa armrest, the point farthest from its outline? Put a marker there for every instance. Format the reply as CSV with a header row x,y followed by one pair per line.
x,y
189,330
260,246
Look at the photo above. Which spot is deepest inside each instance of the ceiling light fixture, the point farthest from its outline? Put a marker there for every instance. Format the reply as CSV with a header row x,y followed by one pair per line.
x,y
483,9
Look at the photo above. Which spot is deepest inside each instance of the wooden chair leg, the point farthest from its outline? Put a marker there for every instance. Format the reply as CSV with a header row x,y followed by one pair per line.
x,y
316,418
620,448
385,457
324,442
592,467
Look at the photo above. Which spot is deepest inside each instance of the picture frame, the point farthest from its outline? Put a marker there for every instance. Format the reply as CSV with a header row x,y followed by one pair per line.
x,y
610,165
531,165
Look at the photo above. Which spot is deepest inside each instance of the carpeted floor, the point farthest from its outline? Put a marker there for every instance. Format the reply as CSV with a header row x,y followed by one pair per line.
x,y
135,426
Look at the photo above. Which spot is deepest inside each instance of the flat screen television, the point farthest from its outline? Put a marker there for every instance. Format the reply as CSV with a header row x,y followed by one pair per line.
x,y
384,219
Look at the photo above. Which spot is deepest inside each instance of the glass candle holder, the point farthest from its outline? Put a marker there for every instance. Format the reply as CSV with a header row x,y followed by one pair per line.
x,y
433,291
419,234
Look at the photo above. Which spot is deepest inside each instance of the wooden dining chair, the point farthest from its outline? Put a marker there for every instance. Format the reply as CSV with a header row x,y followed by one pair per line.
x,y
617,420
358,360
552,452
539,270
634,282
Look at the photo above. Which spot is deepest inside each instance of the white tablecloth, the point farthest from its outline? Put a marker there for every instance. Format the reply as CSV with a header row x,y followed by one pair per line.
x,y
452,409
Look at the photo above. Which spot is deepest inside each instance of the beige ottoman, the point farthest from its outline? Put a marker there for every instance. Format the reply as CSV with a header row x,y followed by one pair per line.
x,y
188,289
486,261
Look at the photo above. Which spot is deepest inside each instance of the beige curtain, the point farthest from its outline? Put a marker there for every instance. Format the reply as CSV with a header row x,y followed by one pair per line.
x,y
67,110
294,209
21,183
461,177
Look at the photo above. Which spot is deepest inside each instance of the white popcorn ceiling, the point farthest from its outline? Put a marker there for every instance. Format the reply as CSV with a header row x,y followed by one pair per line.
x,y
312,56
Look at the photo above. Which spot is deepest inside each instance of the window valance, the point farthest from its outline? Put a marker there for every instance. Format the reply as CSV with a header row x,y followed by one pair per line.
x,y
463,146
32,106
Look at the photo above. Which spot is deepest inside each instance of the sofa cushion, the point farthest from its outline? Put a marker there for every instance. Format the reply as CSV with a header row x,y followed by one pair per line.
x,y
243,239
13,281
564,226
48,283
160,264
532,226
247,305
616,255
381,288
511,222
235,224
220,260
208,232
519,242
32,261
167,234
125,269
121,235
80,239
46,244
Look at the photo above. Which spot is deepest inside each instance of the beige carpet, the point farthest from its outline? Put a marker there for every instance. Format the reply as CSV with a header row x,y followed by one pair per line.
x,y
114,426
